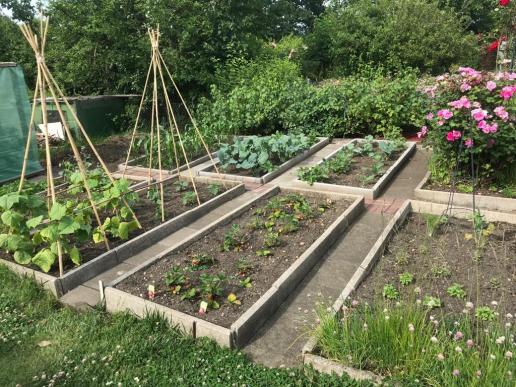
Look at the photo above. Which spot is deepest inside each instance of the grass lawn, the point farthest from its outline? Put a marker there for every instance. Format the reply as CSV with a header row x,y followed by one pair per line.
x,y
44,343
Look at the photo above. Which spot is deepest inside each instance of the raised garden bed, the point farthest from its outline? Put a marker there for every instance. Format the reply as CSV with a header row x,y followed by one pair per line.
x,y
263,249
359,173
247,176
484,199
442,263
135,167
95,258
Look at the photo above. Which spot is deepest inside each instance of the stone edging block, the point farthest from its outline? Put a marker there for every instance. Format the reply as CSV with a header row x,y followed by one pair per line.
x,y
369,193
492,203
323,141
249,322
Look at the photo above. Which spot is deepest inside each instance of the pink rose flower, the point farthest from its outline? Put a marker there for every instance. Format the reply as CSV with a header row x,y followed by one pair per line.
x,y
486,128
490,85
463,102
468,143
501,113
429,116
423,132
453,135
465,87
445,113
478,114
440,122
507,92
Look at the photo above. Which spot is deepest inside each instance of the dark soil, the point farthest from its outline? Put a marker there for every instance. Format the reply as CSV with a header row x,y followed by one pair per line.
x,y
360,168
264,271
149,216
484,188
446,258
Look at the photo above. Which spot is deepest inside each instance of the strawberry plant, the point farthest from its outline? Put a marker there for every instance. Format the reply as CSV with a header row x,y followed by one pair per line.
x,y
181,185
189,198
234,239
175,277
214,189
211,287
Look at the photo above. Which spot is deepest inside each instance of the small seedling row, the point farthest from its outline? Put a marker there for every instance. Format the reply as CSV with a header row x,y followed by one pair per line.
x,y
362,167
234,274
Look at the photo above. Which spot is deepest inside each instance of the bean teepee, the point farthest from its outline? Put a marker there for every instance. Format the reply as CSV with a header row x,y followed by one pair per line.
x,y
156,73
45,83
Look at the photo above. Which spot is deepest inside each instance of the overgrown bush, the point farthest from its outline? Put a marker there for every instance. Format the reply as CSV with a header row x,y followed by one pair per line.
x,y
471,126
394,33
272,95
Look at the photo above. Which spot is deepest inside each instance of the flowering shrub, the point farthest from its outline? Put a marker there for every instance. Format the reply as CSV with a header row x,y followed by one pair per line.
x,y
472,120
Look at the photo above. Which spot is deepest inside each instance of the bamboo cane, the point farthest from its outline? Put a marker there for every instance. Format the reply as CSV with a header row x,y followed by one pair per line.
x,y
29,135
182,146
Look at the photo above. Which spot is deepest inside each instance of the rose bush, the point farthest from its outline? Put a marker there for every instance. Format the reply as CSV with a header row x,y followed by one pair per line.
x,y
472,120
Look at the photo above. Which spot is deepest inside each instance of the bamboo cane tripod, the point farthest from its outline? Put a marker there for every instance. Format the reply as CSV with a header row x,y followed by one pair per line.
x,y
156,66
45,82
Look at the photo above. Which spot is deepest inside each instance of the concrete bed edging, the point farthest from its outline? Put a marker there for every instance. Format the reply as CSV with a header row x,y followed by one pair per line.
x,y
369,193
172,171
204,171
243,328
409,206
109,259
492,203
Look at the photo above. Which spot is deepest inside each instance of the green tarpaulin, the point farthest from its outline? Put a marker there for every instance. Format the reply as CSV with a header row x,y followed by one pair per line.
x,y
15,113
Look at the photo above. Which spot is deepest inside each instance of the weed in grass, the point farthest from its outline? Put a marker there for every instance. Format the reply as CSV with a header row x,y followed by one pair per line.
x,y
189,198
402,258
390,292
406,278
495,282
434,223
485,313
432,302
440,270
456,290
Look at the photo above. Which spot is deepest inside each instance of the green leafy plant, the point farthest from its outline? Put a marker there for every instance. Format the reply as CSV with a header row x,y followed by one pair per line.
x,y
263,253
214,189
434,222
175,277
456,290
246,283
244,266
234,239
211,287
390,292
272,239
406,278
432,302
440,270
189,198
181,185
485,313
202,261
317,173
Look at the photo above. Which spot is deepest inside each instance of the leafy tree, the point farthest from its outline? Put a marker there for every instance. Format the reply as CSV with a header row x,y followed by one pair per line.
x,y
394,33
22,10
478,14
14,48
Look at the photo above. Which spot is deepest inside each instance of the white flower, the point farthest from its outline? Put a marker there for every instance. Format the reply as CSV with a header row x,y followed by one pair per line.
x,y
469,305
434,339
411,328
508,325
417,290
458,349
440,357
508,355
494,303
493,357
500,340
508,315
387,317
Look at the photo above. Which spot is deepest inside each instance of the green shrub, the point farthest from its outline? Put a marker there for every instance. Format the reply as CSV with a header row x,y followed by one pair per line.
x,y
394,33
